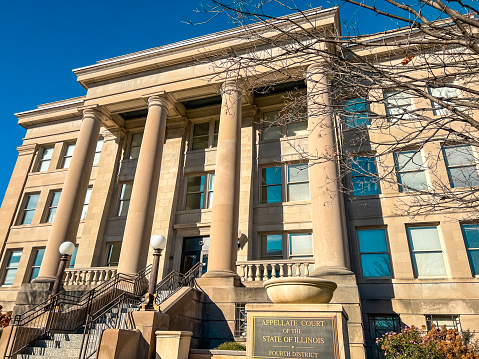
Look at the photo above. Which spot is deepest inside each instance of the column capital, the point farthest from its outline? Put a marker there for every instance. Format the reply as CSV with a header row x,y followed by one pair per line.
x,y
237,85
113,134
98,113
158,99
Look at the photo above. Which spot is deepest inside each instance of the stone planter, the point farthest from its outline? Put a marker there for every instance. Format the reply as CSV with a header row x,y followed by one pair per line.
x,y
298,290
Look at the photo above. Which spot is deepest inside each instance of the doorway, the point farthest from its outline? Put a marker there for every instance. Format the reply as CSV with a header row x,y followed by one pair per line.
x,y
195,249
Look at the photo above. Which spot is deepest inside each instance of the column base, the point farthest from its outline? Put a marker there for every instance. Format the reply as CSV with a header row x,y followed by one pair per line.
x,y
325,271
44,280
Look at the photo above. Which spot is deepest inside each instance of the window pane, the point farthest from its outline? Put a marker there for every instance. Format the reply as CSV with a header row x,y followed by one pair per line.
x,y
429,264
298,192
9,276
51,215
372,240
301,244
424,238
212,182
410,161
126,191
356,113
464,176
376,265
32,201
298,173
14,259
217,127
39,257
73,258
55,199
114,254
136,139
134,153
471,235
194,201
201,129
297,128
69,150
413,181
66,162
272,245
196,184
271,133
271,175
44,165
47,153
363,186
460,155
363,166
272,194
200,143
474,261
123,210
88,196
210,200
28,217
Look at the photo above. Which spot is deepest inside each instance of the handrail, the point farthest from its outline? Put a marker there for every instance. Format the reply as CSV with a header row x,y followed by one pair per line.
x,y
67,312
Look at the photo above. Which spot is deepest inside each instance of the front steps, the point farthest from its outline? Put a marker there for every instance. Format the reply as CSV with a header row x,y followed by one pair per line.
x,y
55,345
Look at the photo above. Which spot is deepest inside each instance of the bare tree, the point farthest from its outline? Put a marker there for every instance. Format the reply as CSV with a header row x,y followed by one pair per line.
x,y
405,100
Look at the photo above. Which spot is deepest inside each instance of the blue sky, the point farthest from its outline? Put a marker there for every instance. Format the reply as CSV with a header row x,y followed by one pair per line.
x,y
42,41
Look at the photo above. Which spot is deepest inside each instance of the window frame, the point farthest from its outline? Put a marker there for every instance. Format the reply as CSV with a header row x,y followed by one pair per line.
x,y
212,135
8,267
86,203
375,334
437,109
455,318
24,210
264,185
391,95
109,247
96,157
131,147
208,193
42,160
474,267
283,129
448,166
360,253
285,183
35,253
422,168
122,201
51,206
353,160
285,245
65,156
351,123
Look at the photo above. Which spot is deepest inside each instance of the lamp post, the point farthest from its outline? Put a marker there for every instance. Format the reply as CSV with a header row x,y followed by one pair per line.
x,y
66,250
158,243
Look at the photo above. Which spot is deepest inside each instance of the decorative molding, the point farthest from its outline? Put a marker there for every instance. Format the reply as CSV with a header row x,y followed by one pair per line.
x,y
28,149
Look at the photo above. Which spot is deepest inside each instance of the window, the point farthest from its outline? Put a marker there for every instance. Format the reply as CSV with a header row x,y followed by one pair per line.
x,y
442,93
450,321
398,105
73,258
37,263
67,158
356,113
29,210
426,252
298,182
470,233
378,326
296,124
114,249
271,188
373,248
125,197
45,159
11,268
98,148
240,320
135,145
299,245
196,188
364,176
411,171
205,135
461,164
86,203
52,208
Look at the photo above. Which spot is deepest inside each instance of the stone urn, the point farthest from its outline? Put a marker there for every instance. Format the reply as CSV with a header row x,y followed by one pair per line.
x,y
300,290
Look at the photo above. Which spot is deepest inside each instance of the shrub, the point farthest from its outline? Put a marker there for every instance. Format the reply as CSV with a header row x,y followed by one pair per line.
x,y
4,318
437,343
231,346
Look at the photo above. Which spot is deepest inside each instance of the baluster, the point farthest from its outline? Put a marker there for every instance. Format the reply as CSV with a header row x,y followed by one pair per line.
x,y
250,272
298,269
289,270
79,277
103,274
273,270
281,270
67,278
265,271
243,272
257,271
306,269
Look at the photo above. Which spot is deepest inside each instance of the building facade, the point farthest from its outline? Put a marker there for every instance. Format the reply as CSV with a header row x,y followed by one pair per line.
x,y
163,144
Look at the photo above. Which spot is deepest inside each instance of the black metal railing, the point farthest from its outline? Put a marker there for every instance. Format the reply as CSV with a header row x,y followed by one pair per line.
x,y
175,280
68,313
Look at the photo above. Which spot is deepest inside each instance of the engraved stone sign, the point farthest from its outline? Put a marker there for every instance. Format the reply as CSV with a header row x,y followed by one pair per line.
x,y
294,337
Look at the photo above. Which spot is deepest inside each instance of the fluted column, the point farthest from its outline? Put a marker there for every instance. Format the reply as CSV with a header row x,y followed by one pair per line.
x,y
67,218
327,209
134,250
225,212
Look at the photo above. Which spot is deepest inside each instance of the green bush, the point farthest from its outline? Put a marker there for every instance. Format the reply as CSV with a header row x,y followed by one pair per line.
x,y
231,346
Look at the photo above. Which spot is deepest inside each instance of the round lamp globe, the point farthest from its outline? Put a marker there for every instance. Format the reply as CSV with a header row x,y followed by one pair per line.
x,y
67,248
158,241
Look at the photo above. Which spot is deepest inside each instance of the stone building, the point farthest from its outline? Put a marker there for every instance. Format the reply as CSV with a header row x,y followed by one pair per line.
x,y
161,144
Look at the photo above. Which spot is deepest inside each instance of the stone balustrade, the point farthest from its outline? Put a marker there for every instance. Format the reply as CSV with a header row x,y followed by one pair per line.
x,y
261,270
88,276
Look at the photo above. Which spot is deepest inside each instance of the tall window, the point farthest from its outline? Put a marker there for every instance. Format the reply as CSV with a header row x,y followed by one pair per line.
x,y
271,188
298,182
52,208
86,203
296,124
411,171
461,163
11,268
205,135
98,148
378,326
426,252
271,129
125,197
196,188
37,263
364,176
73,258
29,210
272,245
398,105
67,158
356,113
450,321
135,145
470,233
442,93
300,245
113,250
45,159
297,245
373,248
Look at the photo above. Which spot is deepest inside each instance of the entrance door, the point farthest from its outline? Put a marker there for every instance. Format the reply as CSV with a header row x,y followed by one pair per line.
x,y
195,249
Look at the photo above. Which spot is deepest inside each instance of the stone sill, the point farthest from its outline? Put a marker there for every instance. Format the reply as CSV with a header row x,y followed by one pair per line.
x,y
212,353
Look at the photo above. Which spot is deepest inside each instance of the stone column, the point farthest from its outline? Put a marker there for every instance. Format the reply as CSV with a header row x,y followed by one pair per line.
x,y
327,209
136,239
67,217
225,212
